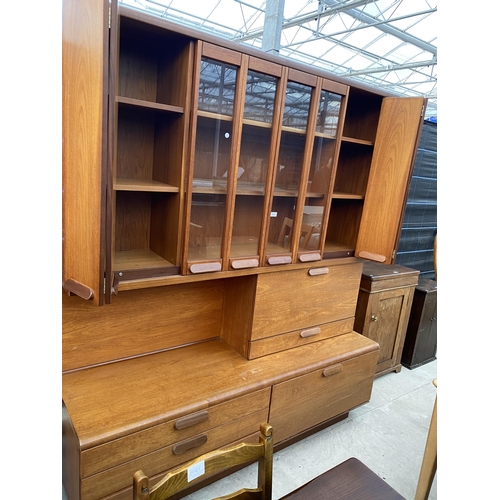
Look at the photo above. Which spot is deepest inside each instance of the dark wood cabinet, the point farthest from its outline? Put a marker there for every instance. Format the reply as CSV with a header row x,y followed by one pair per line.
x,y
421,336
383,310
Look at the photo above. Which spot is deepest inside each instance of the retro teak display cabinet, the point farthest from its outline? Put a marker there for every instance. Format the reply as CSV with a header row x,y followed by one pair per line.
x,y
218,205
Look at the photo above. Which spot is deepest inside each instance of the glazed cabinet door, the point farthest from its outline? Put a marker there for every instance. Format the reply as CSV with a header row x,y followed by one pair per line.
x,y
394,151
233,147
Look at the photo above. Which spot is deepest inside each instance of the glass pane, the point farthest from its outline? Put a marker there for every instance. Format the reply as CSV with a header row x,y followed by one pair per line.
x,y
297,100
211,160
217,87
253,165
289,168
206,226
259,97
317,191
320,171
328,113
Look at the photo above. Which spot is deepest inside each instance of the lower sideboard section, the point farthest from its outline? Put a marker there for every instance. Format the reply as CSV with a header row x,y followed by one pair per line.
x,y
306,401
156,412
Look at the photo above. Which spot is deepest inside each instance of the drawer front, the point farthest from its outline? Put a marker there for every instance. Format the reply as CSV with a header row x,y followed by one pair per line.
x,y
301,403
120,477
127,493
297,338
140,443
302,298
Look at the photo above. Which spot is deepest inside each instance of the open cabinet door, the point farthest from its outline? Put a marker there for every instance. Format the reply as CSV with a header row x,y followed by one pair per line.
x,y
393,156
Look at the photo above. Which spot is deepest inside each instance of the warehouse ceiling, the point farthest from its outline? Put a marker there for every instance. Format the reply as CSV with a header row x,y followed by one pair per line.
x,y
388,44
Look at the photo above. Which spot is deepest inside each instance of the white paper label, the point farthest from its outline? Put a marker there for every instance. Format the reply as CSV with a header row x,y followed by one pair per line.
x,y
195,471
274,214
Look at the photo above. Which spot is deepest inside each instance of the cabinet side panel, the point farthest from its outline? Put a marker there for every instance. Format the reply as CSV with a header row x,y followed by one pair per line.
x,y
140,321
395,144
70,457
83,60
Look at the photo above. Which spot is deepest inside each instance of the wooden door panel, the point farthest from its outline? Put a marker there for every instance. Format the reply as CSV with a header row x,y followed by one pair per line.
x,y
395,145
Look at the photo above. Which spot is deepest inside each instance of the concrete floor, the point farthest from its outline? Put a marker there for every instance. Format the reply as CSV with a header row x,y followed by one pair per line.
x,y
388,434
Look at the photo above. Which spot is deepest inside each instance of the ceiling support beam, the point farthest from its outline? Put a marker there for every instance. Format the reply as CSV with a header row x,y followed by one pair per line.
x,y
273,22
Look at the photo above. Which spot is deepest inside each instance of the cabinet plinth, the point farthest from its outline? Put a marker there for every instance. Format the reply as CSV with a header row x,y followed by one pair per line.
x,y
383,310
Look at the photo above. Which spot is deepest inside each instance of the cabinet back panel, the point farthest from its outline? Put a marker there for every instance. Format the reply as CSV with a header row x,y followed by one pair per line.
x,y
363,110
353,169
135,145
132,221
343,224
153,64
139,322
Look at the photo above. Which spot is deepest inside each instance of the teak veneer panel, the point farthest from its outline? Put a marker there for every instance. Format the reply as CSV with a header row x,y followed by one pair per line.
x,y
295,300
116,478
83,63
114,400
393,155
140,443
138,322
315,397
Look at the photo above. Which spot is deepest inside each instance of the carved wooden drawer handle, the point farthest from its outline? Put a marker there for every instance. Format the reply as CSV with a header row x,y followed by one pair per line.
x,y
309,257
205,267
189,444
279,259
332,370
310,332
372,256
190,420
318,271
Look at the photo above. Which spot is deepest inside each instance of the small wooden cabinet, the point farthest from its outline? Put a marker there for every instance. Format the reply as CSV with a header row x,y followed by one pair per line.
x,y
383,310
421,336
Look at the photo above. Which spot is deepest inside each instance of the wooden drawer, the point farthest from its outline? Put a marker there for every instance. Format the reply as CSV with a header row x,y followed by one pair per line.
x,y
304,298
118,451
301,403
117,478
127,494
297,338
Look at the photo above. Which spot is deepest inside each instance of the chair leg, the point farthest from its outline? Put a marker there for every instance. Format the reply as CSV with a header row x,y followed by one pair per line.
x,y
429,462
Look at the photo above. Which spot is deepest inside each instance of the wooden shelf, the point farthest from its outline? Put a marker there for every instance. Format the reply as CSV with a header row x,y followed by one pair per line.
x,y
215,116
139,259
149,105
144,185
347,196
357,141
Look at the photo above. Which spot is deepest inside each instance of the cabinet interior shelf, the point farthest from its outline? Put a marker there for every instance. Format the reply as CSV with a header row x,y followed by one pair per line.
x,y
357,141
123,184
139,259
347,196
150,105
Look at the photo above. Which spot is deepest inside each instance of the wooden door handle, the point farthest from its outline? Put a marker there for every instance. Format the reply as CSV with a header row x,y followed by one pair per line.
x,y
310,332
190,420
189,444
332,370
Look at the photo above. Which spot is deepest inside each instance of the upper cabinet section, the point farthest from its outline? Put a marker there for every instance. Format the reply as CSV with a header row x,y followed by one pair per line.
x,y
216,158
154,68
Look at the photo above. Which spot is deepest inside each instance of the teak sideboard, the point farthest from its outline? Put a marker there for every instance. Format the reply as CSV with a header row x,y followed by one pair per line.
x,y
218,206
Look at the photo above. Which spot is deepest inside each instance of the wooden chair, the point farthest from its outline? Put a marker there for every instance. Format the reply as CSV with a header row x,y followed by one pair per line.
x,y
286,228
429,462
212,462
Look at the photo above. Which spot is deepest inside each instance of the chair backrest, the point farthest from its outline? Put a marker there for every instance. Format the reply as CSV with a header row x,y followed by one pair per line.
x,y
211,463
305,233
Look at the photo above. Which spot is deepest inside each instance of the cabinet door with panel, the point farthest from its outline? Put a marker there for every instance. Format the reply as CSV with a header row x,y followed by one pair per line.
x,y
383,310
388,182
